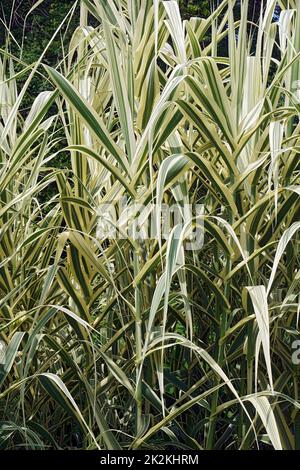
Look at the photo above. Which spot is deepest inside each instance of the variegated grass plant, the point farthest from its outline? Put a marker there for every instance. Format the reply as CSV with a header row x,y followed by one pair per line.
x,y
121,343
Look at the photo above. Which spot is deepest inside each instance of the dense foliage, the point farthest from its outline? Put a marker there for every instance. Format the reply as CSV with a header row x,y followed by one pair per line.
x,y
124,342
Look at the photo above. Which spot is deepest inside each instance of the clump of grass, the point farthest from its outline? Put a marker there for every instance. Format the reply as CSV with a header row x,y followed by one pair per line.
x,y
121,343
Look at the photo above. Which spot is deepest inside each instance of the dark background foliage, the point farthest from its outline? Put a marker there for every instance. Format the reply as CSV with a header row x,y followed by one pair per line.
x,y
37,30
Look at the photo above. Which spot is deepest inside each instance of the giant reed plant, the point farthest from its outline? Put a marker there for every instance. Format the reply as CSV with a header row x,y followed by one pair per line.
x,y
118,342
